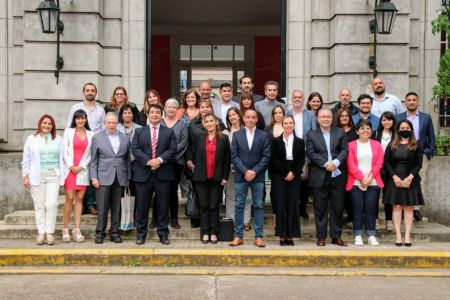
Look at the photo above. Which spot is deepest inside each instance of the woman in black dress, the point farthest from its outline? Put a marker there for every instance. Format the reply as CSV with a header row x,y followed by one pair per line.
x,y
286,163
402,161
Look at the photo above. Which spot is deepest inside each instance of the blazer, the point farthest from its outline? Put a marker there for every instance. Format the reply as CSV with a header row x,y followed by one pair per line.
x,y
426,132
414,163
278,163
318,155
31,162
166,149
309,121
223,159
68,154
105,164
352,163
256,158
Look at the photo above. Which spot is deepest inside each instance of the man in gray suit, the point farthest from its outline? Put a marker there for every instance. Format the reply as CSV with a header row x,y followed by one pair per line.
x,y
110,172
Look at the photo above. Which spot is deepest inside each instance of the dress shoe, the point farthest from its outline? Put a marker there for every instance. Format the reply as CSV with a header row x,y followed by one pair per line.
x,y
259,242
92,211
304,215
116,239
99,240
283,243
408,244
164,240
205,239
152,224
174,224
290,242
417,215
320,242
398,244
213,239
236,242
140,242
339,242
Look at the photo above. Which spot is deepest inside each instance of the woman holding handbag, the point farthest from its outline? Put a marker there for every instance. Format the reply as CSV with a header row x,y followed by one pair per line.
x,y
212,168
76,150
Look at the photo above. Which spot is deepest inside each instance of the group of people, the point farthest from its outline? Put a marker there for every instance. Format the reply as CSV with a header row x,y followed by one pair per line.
x,y
340,157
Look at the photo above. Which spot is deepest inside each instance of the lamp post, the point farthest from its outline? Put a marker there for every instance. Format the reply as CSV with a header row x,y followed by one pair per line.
x,y
49,12
383,22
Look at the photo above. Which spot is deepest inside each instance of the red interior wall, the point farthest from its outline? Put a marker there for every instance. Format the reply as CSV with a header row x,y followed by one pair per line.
x,y
267,61
161,65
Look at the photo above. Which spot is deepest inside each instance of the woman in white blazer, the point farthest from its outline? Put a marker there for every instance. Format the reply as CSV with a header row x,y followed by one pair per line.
x,y
76,149
41,165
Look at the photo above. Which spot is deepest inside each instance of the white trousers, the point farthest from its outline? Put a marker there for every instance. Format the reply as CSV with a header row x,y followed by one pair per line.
x,y
45,199
230,201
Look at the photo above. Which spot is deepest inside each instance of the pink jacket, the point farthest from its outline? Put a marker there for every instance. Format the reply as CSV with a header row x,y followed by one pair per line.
x,y
352,163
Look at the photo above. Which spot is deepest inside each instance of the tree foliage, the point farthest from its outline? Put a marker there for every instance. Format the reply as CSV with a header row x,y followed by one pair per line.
x,y
442,24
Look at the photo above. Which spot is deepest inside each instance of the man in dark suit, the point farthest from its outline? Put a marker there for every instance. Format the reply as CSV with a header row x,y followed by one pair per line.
x,y
109,171
250,154
154,148
327,150
423,131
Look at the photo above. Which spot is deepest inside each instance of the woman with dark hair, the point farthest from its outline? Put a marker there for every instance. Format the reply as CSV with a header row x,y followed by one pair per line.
x,y
315,103
402,161
41,172
286,163
151,97
76,148
384,134
365,160
190,106
119,98
212,167
246,101
126,123
275,129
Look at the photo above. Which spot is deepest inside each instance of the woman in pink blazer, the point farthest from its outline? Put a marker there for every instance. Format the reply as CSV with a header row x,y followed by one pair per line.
x,y
365,159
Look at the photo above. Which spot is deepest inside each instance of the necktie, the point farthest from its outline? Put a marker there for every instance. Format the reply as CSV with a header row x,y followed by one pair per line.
x,y
154,140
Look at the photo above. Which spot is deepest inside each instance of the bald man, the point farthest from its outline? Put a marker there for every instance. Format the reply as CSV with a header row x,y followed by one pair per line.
x,y
383,101
345,101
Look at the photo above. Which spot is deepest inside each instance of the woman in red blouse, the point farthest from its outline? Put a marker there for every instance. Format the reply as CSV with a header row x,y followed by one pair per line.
x,y
212,167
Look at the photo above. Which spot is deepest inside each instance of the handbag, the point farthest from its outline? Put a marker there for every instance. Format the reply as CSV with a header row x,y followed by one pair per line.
x,y
226,230
193,206
127,211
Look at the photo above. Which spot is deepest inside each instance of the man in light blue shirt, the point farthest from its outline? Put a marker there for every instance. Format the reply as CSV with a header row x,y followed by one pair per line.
x,y
383,101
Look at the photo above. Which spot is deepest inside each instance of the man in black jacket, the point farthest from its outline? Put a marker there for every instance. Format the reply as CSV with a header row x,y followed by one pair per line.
x,y
345,100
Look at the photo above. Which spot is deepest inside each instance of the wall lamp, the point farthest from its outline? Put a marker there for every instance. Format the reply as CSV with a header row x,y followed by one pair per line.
x,y
49,12
383,22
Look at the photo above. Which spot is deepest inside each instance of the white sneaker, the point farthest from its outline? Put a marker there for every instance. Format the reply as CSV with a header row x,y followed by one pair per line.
x,y
372,241
358,241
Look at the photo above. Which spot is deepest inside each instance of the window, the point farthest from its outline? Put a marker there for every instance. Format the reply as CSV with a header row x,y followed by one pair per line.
x,y
212,53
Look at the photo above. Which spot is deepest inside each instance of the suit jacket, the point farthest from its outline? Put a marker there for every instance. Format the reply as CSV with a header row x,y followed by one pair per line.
x,y
68,154
166,149
278,163
222,163
256,158
105,164
309,121
352,163
318,155
426,132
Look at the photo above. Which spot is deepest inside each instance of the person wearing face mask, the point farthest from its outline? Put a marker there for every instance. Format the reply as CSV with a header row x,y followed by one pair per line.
x,y
402,161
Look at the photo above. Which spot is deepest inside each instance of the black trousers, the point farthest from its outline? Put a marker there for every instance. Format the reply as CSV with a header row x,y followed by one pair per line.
x,y
304,196
208,196
331,196
173,195
108,197
387,208
144,192
286,194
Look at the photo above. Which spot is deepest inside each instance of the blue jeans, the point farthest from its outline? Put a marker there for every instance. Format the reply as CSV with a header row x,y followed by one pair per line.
x,y
364,204
257,189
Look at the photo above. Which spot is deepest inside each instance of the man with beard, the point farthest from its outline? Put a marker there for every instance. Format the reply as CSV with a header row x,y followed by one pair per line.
x,y
266,106
423,131
365,106
345,100
95,114
246,83
383,101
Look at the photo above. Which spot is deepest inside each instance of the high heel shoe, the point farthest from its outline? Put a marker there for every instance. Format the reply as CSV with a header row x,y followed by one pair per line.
x,y
205,239
50,238
65,236
40,239
213,239
76,236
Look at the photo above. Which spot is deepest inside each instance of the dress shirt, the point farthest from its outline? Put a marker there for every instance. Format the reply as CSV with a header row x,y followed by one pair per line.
x,y
157,135
114,140
388,103
224,110
415,122
374,120
337,163
250,135
95,116
298,118
289,143
210,157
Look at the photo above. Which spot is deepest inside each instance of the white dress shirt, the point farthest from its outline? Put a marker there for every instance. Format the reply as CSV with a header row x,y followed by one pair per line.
x,y
250,135
298,118
289,143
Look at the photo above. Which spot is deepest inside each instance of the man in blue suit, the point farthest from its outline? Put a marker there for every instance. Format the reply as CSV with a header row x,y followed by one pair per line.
x,y
250,154
154,148
305,120
423,131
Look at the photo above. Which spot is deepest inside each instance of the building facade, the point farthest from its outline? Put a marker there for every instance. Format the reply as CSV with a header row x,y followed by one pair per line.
x,y
170,45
